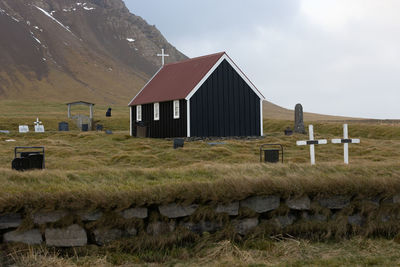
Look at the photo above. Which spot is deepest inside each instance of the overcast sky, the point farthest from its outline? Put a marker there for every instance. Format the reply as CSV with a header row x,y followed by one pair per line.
x,y
338,57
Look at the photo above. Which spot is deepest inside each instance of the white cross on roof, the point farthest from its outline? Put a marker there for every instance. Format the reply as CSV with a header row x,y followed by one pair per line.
x,y
162,55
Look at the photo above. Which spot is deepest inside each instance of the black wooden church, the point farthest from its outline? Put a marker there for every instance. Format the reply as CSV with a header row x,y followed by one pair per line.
x,y
207,96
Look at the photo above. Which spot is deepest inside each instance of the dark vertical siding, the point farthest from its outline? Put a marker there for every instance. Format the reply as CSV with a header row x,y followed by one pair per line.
x,y
167,126
225,106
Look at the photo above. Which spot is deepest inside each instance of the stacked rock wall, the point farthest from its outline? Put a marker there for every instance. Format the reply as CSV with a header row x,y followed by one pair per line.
x,y
333,215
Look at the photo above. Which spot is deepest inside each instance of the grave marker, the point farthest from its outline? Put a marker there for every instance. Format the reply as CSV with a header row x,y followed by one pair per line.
x,y
24,129
298,119
346,141
39,128
312,143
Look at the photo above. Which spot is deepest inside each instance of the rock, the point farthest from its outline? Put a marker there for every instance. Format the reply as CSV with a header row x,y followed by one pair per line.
x,y
160,228
175,211
48,217
139,213
72,236
261,204
203,226
131,231
12,220
284,221
355,219
31,237
231,209
298,119
396,199
302,203
90,216
335,202
246,225
104,236
319,217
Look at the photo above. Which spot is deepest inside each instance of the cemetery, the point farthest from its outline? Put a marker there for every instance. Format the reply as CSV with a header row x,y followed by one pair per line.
x,y
107,189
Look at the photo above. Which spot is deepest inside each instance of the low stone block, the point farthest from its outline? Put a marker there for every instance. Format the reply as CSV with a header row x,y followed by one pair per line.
x,y
104,236
335,202
160,228
396,199
131,231
355,219
302,203
48,217
31,237
90,216
176,211
261,204
232,209
284,221
12,220
139,213
203,226
245,226
72,236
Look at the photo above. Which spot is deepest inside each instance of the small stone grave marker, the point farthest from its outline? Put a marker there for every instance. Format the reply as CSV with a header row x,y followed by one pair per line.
x,y
24,129
63,126
39,128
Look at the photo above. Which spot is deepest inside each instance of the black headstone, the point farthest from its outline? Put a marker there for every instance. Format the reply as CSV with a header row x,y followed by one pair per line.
x,y
63,127
288,131
108,113
298,119
99,127
178,142
85,127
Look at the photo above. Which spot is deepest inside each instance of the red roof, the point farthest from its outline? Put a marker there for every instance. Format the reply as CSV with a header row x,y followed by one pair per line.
x,y
175,81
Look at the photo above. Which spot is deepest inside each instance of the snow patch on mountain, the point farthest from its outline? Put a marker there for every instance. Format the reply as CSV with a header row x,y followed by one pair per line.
x,y
50,16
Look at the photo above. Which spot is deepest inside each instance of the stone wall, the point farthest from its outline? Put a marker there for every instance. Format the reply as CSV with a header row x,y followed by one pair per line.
x,y
333,215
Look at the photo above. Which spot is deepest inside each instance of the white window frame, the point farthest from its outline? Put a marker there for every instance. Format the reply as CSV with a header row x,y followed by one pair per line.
x,y
176,108
139,113
156,107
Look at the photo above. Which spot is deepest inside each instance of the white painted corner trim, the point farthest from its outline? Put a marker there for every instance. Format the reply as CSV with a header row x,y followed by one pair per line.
x,y
130,119
235,67
261,118
188,117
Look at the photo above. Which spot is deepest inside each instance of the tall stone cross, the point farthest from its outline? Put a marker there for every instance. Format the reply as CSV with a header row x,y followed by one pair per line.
x,y
162,55
312,143
346,141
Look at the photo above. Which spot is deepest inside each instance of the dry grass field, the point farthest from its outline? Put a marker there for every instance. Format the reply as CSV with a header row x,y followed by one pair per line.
x,y
95,170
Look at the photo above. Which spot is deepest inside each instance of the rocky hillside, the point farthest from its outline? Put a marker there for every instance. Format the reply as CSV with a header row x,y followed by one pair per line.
x,y
65,50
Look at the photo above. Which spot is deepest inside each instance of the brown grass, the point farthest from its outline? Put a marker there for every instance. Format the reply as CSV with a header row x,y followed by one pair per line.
x,y
95,170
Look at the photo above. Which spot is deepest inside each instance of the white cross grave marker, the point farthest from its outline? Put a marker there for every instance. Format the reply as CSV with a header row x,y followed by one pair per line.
x,y
23,128
162,55
39,128
346,141
312,143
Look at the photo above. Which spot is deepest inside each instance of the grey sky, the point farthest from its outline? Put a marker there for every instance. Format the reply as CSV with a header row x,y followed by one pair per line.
x,y
338,57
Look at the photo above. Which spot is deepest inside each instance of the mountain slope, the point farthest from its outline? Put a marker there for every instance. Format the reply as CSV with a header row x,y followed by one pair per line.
x,y
62,50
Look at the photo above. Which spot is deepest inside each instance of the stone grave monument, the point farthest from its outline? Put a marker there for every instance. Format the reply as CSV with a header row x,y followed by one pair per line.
x,y
24,129
39,127
298,119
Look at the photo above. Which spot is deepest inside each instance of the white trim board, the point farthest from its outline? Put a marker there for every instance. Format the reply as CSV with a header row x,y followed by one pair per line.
x,y
130,119
211,71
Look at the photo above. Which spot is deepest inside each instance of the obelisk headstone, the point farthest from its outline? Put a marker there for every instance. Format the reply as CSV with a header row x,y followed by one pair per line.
x,y
298,119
